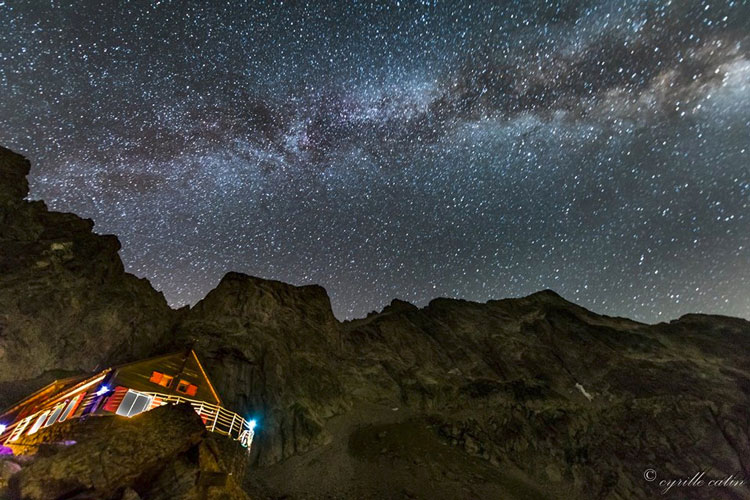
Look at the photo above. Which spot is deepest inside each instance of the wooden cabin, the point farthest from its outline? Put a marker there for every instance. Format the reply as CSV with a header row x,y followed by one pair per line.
x,y
126,391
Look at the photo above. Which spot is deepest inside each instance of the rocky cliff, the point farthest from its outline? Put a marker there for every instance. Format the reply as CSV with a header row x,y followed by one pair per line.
x,y
66,303
273,349
519,398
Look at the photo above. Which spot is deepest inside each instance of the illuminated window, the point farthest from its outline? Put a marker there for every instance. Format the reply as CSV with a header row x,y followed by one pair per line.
x,y
38,423
55,413
161,379
71,408
134,403
186,387
115,399
19,429
166,381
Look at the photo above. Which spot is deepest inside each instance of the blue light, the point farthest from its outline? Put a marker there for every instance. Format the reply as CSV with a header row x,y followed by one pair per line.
x,y
102,390
251,424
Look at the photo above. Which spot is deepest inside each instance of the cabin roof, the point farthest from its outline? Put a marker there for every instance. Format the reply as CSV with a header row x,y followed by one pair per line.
x,y
187,360
53,389
60,384
56,387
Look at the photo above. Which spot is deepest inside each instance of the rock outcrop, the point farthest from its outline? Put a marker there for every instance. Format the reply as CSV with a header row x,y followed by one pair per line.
x,y
533,397
66,303
161,454
274,350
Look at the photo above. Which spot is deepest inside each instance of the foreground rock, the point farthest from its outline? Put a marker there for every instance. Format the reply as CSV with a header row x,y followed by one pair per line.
x,y
161,454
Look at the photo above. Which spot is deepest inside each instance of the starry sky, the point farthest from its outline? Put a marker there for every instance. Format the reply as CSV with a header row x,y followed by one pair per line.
x,y
410,149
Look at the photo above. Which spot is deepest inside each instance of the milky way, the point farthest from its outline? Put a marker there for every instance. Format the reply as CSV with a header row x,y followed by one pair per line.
x,y
399,149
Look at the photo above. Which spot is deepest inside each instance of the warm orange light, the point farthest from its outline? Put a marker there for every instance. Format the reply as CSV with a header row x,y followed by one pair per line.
x,y
208,381
85,386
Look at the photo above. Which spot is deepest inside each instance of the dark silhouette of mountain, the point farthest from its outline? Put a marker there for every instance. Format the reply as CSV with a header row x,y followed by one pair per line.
x,y
533,397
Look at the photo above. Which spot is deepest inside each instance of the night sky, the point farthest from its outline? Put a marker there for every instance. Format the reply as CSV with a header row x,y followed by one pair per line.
x,y
399,149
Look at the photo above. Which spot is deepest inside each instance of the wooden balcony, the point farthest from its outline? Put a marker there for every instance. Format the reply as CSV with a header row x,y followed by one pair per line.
x,y
215,418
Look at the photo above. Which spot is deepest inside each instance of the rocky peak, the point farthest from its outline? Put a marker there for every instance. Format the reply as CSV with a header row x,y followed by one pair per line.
x,y
13,171
398,305
66,302
547,295
710,319
270,348
266,305
242,294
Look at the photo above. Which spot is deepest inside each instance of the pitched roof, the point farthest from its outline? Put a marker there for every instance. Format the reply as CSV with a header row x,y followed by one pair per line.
x,y
66,385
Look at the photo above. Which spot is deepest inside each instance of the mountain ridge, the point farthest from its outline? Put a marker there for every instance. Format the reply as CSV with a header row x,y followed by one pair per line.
x,y
530,397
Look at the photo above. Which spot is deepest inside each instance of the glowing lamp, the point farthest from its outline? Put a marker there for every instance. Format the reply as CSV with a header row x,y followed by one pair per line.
x,y
2,428
102,390
251,424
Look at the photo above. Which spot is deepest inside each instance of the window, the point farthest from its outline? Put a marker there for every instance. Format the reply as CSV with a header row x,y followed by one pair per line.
x,y
166,381
39,422
19,429
161,379
133,403
186,387
71,408
183,386
55,413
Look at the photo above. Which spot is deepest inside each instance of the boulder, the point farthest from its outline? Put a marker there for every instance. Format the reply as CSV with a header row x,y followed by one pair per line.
x,y
163,453
110,453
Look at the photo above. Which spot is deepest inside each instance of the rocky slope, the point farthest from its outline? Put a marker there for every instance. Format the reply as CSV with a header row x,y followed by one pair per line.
x,y
66,303
519,398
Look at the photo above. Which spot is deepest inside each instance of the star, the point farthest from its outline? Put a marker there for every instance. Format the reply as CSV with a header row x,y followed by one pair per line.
x,y
411,150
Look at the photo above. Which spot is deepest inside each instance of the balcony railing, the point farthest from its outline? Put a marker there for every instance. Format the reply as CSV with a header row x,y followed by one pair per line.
x,y
215,418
